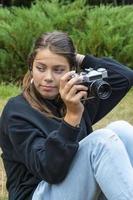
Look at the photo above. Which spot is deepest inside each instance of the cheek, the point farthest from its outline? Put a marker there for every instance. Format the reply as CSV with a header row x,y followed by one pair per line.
x,y
57,80
36,76
37,81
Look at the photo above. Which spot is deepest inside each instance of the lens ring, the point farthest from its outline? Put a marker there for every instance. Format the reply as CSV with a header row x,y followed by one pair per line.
x,y
101,89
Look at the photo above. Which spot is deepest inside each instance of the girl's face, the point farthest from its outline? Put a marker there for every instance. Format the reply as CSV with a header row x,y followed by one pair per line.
x,y
47,70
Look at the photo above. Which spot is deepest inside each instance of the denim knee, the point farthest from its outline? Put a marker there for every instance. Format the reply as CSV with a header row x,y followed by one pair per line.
x,y
100,136
122,128
120,124
99,145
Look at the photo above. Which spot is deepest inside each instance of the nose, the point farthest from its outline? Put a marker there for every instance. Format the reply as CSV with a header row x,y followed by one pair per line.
x,y
48,76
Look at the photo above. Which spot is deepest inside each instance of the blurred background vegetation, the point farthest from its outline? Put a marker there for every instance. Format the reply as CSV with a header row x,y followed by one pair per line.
x,y
28,3
103,30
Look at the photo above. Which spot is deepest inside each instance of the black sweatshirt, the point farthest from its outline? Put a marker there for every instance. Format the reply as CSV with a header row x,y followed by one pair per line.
x,y
37,148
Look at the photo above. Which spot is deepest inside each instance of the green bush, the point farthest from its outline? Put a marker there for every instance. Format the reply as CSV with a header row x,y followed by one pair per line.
x,y
113,2
101,31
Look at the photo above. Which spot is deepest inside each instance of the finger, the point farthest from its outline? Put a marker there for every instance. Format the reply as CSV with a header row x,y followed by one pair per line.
x,y
77,88
79,96
66,77
74,81
79,58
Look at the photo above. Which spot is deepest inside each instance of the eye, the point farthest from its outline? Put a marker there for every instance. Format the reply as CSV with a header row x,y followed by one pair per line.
x,y
59,70
40,68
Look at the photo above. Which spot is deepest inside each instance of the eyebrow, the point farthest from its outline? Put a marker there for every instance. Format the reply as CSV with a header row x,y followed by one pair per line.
x,y
40,63
59,65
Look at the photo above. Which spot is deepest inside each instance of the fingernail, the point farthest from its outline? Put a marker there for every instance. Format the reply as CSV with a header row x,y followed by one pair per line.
x,y
72,72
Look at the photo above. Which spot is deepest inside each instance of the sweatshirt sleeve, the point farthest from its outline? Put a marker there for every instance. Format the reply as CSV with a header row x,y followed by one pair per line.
x,y
48,157
120,78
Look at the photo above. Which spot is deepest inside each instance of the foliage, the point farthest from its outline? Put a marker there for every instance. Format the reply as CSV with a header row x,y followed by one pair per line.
x,y
113,2
101,31
28,3
8,3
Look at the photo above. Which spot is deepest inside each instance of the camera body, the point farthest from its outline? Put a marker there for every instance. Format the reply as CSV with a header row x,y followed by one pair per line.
x,y
94,80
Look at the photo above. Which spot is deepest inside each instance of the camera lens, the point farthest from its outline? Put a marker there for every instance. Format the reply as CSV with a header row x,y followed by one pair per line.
x,y
101,89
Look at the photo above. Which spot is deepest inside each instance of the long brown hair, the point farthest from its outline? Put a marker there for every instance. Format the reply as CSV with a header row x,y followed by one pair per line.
x,y
59,43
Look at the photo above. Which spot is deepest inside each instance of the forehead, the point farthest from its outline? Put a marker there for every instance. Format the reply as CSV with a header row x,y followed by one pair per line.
x,y
48,57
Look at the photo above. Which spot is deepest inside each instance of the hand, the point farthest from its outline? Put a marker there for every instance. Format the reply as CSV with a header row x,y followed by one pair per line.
x,y
79,58
72,91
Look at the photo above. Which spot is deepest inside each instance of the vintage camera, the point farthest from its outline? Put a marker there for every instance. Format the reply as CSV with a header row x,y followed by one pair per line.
x,y
95,81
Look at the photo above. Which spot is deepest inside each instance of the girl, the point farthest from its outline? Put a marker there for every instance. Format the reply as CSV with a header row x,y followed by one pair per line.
x,y
49,149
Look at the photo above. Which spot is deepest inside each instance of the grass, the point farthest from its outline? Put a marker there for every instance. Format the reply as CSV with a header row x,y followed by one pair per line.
x,y
7,91
124,110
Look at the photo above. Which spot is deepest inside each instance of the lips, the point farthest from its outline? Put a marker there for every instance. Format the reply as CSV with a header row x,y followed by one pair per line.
x,y
47,87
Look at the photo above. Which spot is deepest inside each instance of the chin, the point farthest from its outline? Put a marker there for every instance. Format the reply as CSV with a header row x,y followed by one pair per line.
x,y
50,97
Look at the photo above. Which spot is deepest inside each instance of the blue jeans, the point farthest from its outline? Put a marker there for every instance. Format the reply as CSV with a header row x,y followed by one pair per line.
x,y
102,168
